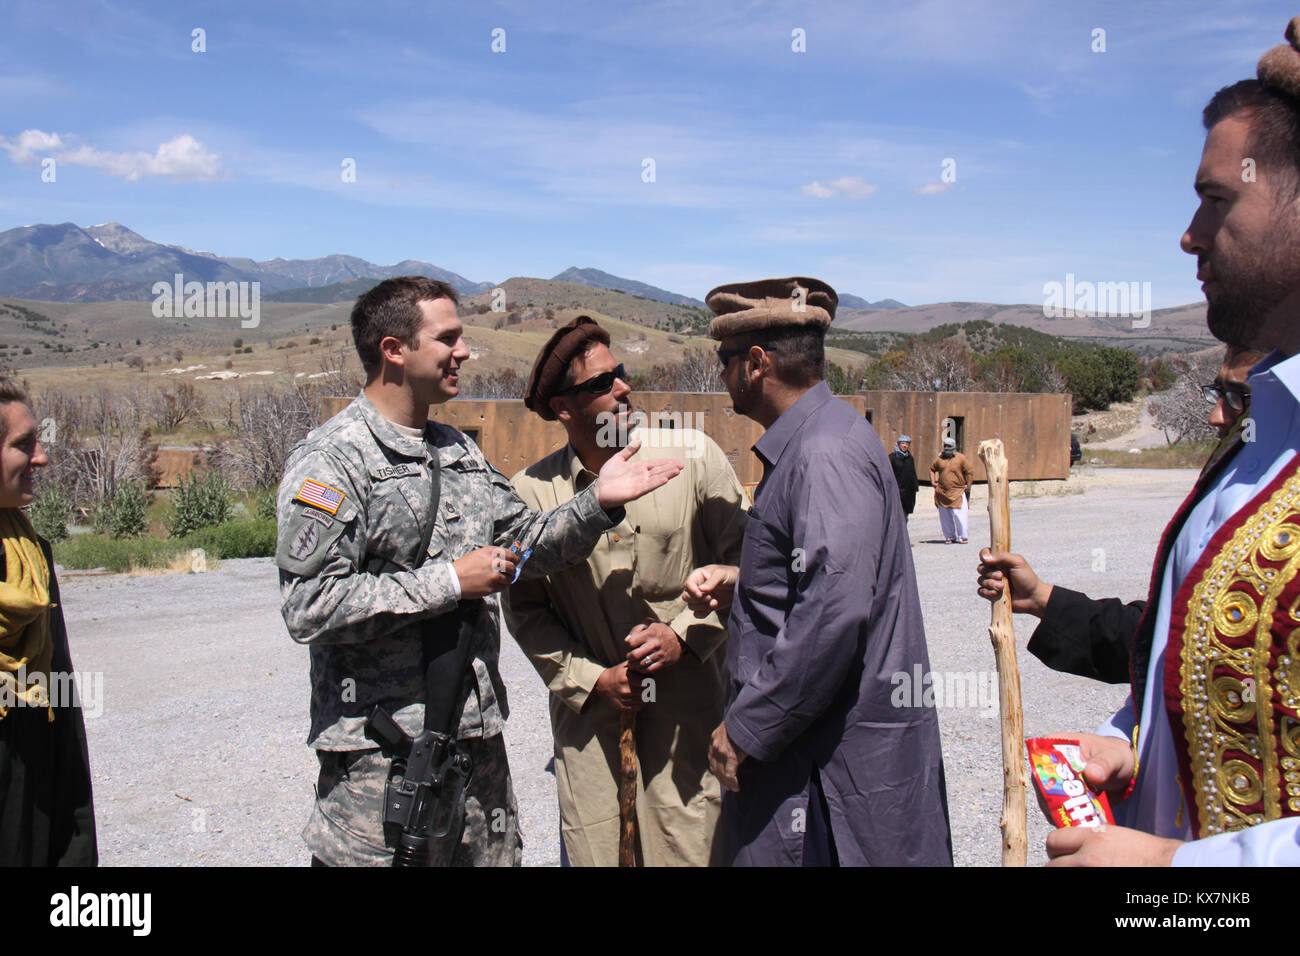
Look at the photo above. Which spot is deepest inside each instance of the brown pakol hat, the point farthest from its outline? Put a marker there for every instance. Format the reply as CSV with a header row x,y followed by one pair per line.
x,y
1280,66
554,359
771,303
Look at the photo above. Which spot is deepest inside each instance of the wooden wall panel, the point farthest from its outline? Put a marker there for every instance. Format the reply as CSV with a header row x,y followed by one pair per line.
x,y
1035,429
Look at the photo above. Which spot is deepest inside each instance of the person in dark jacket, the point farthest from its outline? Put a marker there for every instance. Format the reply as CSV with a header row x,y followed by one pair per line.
x,y
47,815
905,473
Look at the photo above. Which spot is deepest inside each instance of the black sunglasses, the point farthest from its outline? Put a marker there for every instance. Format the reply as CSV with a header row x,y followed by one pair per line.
x,y
724,355
1235,397
597,385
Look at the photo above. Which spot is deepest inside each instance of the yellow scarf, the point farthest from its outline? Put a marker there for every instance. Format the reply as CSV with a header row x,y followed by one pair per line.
x,y
25,646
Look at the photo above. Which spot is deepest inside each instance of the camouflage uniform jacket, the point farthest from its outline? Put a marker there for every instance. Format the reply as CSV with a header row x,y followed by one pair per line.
x,y
355,587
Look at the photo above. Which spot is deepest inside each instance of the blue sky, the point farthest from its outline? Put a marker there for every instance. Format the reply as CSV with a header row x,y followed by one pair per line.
x,y
767,161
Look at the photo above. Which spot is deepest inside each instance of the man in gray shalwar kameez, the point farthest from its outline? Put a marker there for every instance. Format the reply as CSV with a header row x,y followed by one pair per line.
x,y
820,768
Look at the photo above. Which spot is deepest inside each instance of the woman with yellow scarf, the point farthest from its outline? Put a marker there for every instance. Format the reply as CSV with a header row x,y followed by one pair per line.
x,y
47,813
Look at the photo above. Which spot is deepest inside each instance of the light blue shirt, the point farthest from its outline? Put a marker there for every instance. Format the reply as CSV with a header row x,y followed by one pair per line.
x,y
1156,804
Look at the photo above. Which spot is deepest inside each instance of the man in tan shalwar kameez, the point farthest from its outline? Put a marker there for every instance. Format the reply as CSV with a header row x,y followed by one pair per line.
x,y
585,628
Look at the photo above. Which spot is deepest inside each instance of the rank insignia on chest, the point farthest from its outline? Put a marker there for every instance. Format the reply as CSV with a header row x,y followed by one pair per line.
x,y
321,496
305,541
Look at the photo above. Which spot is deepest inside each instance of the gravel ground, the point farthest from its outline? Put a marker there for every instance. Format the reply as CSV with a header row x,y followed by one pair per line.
x,y
199,754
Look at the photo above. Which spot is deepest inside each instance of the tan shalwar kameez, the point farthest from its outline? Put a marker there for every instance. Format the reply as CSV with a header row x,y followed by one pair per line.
x,y
572,626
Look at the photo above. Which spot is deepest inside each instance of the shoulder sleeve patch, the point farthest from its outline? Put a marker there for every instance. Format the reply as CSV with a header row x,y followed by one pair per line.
x,y
321,495
306,536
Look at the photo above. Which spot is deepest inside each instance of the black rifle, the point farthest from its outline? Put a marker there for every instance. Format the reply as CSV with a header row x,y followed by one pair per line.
x,y
424,797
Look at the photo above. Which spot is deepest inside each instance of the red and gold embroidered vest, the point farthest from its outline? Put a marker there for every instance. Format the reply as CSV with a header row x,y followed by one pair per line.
x,y
1232,667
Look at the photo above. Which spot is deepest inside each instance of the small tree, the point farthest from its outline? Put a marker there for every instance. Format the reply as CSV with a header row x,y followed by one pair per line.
x,y
170,407
842,381
266,503
1181,411
200,502
51,511
123,515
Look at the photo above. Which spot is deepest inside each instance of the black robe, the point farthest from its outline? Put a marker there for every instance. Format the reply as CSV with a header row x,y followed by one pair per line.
x,y
47,814
905,474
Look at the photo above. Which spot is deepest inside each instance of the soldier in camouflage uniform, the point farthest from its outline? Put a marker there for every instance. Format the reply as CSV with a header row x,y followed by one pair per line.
x,y
359,584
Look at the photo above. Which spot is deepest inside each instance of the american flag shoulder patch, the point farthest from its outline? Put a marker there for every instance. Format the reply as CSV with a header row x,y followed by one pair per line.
x,y
321,496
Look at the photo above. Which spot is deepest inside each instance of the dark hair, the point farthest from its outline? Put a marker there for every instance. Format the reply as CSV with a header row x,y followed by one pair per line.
x,y
10,391
1274,137
798,352
392,308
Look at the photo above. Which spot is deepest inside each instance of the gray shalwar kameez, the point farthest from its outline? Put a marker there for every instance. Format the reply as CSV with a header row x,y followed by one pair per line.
x,y
826,613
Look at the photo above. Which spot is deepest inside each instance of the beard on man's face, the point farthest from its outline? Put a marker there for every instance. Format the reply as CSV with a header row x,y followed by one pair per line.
x,y
1252,285
1236,317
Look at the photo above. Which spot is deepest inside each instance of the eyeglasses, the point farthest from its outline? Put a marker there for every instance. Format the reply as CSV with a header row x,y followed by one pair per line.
x,y
597,385
1235,397
724,355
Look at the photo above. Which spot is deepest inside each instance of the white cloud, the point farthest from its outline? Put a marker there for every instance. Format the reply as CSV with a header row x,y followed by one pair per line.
x,y
30,145
180,159
929,189
849,186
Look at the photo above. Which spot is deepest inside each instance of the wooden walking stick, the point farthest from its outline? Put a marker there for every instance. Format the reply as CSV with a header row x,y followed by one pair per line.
x,y
627,788
1015,840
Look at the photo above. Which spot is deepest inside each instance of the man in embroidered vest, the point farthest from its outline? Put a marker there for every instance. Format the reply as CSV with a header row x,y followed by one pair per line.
x,y
1212,774
47,815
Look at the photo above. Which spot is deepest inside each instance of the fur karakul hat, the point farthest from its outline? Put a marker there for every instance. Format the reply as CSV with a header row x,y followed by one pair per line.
x,y
1279,68
771,303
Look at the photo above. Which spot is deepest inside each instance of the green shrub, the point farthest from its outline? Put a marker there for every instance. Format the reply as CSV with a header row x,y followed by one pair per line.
x,y
266,504
236,539
200,502
84,551
1099,375
842,381
123,515
51,512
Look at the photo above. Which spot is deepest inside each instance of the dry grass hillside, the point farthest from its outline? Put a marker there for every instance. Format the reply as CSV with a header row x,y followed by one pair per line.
x,y
1179,329
530,298
296,341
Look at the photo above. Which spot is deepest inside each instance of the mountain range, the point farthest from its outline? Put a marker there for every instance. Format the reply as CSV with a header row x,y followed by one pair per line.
x,y
69,263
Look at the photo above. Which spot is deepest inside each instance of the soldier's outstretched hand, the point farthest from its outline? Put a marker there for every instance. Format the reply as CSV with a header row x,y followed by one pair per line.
x,y
622,480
